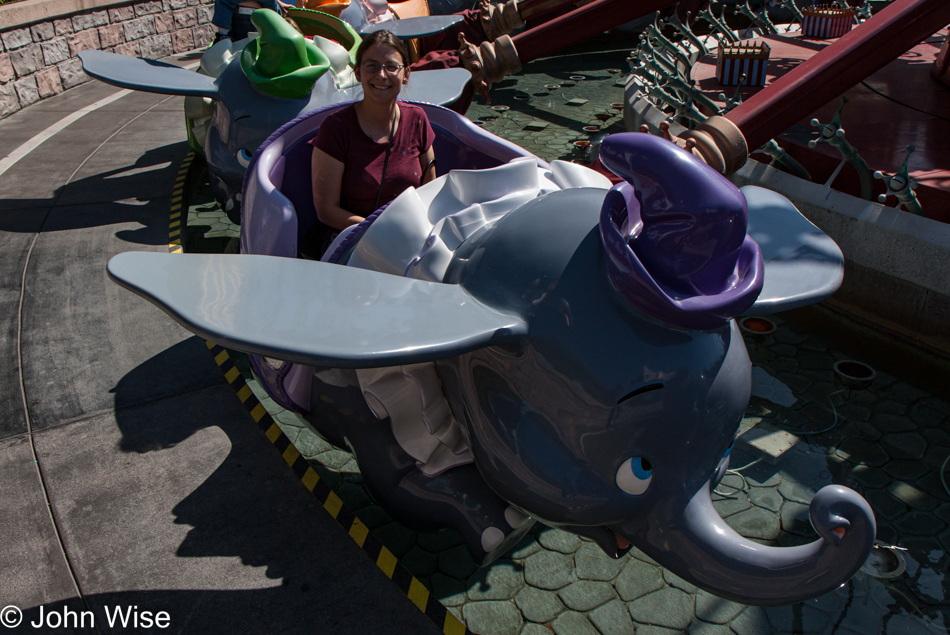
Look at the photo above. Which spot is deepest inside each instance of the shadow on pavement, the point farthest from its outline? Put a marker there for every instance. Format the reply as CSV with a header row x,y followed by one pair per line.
x,y
259,553
136,193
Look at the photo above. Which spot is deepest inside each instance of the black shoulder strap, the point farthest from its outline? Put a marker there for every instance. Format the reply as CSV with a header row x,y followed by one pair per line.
x,y
389,147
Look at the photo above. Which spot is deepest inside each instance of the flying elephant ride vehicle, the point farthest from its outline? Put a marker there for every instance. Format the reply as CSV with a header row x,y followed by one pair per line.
x,y
245,90
248,89
518,342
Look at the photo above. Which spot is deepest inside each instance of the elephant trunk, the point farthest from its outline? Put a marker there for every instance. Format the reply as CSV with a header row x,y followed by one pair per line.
x,y
705,551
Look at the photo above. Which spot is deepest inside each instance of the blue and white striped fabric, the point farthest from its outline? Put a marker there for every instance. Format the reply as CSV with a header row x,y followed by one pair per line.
x,y
824,23
743,58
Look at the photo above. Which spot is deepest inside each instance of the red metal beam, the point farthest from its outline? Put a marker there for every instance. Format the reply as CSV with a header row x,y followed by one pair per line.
x,y
529,10
853,57
581,24
527,4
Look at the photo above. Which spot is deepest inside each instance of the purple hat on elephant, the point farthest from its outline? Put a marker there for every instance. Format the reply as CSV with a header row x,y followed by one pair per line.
x,y
675,235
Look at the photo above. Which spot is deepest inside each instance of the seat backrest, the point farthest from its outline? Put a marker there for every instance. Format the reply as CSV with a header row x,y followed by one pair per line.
x,y
458,145
297,183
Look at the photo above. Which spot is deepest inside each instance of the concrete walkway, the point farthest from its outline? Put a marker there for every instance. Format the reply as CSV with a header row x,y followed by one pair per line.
x,y
130,476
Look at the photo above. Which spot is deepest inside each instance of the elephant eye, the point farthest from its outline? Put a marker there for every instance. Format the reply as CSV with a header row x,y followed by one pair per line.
x,y
635,475
243,158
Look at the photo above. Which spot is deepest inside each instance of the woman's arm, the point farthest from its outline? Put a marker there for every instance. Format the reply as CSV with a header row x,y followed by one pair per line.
x,y
424,160
327,175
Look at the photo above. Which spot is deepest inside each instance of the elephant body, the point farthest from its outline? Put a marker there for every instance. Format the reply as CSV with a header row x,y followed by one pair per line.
x,y
583,340
602,420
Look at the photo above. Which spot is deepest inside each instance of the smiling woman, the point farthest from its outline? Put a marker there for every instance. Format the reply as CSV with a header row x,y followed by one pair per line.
x,y
366,155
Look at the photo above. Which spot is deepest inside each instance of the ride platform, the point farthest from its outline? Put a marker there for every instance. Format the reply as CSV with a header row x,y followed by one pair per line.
x,y
900,105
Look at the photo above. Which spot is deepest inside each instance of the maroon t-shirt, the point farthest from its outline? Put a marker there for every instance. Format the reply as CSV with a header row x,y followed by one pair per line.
x,y
341,137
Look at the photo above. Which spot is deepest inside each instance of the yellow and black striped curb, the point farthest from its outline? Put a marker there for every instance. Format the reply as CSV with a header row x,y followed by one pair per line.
x,y
413,589
177,222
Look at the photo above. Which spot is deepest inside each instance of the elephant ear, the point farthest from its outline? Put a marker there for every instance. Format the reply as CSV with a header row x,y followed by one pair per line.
x,y
150,76
421,26
312,312
803,265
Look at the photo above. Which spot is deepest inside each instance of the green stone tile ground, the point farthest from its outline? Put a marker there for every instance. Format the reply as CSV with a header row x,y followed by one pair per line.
x,y
888,442
546,108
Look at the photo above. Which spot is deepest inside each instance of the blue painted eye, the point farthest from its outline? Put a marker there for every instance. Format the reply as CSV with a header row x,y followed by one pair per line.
x,y
635,475
243,158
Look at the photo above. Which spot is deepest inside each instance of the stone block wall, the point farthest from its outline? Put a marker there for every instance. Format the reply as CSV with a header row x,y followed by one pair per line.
x,y
39,60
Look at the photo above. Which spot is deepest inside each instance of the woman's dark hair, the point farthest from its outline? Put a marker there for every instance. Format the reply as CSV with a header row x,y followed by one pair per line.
x,y
382,37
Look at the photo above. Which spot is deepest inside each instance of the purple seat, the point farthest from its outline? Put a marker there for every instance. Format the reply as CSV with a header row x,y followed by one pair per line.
x,y
283,162
277,209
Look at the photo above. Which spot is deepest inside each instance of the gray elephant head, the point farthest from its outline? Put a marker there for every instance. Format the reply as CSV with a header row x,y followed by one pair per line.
x,y
615,416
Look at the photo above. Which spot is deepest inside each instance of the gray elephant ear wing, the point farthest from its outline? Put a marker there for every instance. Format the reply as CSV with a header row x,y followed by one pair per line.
x,y
803,265
312,312
150,76
421,26
440,86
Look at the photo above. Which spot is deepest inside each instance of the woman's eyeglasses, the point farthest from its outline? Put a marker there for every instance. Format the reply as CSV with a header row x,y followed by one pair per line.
x,y
372,68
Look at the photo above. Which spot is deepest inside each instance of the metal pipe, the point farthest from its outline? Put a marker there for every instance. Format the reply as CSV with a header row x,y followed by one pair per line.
x,y
540,8
833,135
686,32
718,25
783,159
580,24
528,4
760,20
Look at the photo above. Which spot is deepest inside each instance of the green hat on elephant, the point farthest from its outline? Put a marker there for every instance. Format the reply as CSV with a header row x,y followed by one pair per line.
x,y
281,62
